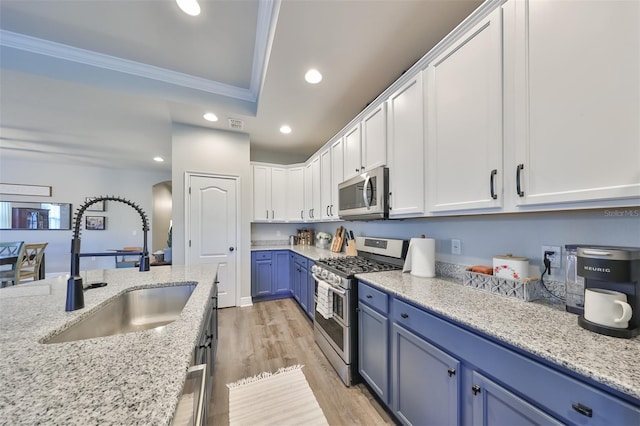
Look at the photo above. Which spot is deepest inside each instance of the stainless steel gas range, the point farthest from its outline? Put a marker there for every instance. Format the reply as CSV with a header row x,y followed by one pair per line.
x,y
336,321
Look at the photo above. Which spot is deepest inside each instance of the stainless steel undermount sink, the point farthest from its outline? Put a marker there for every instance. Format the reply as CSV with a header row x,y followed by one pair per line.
x,y
133,310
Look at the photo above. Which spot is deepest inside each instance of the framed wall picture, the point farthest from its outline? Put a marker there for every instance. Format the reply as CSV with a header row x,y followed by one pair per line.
x,y
95,223
97,207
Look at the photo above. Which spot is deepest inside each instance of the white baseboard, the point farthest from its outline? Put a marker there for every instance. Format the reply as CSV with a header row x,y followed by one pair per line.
x,y
246,301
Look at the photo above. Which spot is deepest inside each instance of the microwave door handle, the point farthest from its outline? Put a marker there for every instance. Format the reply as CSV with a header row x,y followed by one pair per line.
x,y
364,192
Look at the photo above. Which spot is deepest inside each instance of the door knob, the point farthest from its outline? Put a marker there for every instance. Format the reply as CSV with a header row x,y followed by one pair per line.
x,y
232,248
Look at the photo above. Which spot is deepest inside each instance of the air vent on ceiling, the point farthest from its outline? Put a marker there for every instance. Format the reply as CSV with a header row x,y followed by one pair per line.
x,y
236,124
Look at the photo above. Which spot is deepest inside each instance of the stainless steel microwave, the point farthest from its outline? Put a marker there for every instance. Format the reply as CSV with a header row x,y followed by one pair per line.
x,y
365,197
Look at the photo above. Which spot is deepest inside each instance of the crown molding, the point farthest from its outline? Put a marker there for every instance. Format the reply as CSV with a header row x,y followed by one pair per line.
x,y
268,11
82,56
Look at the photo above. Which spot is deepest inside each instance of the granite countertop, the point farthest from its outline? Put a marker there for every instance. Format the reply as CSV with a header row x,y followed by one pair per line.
x,y
310,252
539,328
133,378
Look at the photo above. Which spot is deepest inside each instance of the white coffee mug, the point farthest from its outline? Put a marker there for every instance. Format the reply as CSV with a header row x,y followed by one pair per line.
x,y
607,307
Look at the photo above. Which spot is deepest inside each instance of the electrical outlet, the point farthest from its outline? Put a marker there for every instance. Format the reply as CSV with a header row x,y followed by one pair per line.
x,y
455,247
555,258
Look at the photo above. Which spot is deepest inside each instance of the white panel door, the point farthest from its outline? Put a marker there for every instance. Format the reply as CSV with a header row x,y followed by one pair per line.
x,y
295,194
261,193
374,138
278,194
352,155
575,93
308,192
325,183
213,229
316,209
464,121
337,176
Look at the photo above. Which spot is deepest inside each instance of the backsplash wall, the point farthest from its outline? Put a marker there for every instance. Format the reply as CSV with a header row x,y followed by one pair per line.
x,y
484,236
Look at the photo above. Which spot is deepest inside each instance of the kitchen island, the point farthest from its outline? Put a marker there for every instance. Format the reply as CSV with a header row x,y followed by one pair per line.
x,y
445,312
133,378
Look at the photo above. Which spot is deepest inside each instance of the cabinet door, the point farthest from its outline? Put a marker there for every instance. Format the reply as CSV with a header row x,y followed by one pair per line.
x,y
374,138
406,150
571,80
297,280
425,381
352,156
373,350
464,116
261,193
308,192
278,194
316,206
304,291
337,175
311,290
494,405
325,183
295,194
261,276
281,276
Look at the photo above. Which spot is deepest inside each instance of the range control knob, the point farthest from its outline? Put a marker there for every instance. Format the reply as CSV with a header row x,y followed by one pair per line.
x,y
337,280
315,268
324,273
332,278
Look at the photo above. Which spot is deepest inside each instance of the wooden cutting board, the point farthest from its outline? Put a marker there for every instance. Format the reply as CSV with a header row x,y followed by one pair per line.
x,y
338,240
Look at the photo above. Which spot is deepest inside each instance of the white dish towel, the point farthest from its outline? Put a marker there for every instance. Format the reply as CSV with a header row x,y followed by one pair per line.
x,y
325,300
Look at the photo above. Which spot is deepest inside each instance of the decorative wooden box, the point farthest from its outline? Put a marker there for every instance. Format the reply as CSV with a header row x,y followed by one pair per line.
x,y
527,289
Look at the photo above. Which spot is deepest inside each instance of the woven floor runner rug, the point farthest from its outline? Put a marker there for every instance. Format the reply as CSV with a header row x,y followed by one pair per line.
x,y
280,398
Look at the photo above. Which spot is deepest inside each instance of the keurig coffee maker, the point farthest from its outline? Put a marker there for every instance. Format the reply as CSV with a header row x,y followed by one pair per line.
x,y
612,290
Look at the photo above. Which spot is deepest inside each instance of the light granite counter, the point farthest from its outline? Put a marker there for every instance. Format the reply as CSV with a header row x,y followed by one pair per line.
x,y
133,378
538,328
310,252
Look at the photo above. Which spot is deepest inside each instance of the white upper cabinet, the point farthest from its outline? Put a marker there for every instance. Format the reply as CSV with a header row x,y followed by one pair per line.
x,y
464,121
295,194
269,194
365,144
312,206
572,101
374,138
337,175
406,149
352,152
331,168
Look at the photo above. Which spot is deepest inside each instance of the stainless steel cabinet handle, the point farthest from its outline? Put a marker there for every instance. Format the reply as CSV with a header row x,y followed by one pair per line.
x,y
492,179
267,214
331,210
582,409
328,214
273,215
518,189
302,214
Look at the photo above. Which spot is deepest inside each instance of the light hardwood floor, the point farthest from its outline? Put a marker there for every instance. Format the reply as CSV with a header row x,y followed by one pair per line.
x,y
274,334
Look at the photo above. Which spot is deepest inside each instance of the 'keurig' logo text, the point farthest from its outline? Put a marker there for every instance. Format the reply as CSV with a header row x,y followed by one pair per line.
x,y
596,269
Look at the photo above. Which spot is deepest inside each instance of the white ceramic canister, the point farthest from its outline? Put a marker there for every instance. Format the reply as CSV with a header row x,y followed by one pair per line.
x,y
509,266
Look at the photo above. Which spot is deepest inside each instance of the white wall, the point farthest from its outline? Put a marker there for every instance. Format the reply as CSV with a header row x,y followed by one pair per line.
x,y
522,234
201,150
71,184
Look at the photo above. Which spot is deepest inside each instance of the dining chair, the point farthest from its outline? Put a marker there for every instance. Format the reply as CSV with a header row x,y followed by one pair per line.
x,y
29,267
7,250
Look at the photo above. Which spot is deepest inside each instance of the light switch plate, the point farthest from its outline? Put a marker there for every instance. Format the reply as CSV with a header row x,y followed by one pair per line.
x,y
456,247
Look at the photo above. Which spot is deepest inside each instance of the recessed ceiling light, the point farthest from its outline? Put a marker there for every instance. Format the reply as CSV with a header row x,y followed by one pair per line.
x,y
190,7
210,116
158,159
285,129
313,76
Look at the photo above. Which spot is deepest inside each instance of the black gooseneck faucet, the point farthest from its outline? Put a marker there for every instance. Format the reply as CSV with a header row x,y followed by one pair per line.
x,y
75,289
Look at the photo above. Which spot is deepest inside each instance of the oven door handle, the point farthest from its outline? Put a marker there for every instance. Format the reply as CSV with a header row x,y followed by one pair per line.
x,y
340,292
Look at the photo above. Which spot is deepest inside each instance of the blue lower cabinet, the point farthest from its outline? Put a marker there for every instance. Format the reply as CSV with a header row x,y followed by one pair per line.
x,y
270,274
373,350
311,292
495,405
425,381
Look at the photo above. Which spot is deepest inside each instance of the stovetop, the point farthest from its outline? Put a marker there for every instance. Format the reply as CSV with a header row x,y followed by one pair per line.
x,y
348,266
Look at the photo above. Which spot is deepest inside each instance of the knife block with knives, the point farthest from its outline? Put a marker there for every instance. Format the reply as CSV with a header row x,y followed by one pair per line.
x,y
351,244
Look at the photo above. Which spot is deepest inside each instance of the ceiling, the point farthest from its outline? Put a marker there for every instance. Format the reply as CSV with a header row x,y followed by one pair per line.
x,y
100,82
